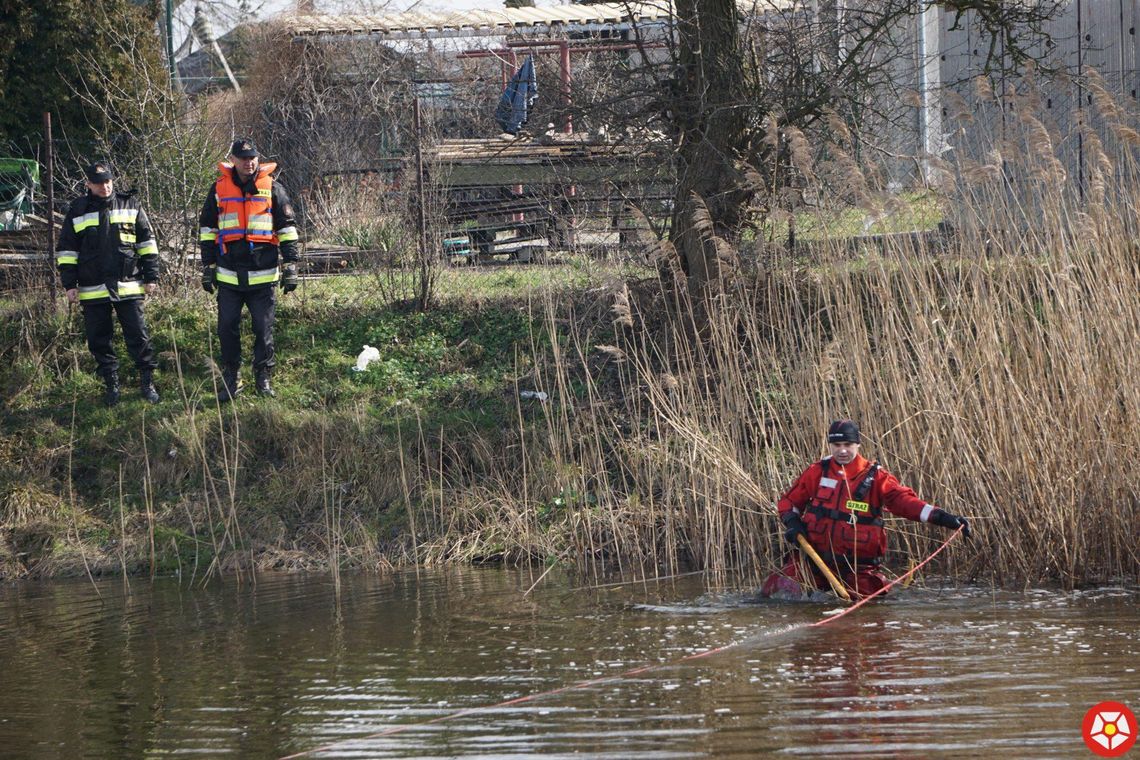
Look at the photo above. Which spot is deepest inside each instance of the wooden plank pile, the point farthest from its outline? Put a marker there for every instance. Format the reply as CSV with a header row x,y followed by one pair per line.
x,y
544,149
23,253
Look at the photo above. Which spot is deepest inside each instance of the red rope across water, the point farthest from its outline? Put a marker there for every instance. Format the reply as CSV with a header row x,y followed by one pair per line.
x,y
887,587
619,676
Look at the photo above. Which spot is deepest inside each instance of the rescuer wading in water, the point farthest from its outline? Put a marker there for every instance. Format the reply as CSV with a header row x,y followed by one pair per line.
x,y
837,505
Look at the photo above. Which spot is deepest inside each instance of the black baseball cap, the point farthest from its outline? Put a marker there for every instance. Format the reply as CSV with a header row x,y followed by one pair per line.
x,y
100,171
843,430
243,147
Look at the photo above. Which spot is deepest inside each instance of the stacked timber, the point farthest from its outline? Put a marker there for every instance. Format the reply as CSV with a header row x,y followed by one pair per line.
x,y
319,259
24,255
556,159
545,149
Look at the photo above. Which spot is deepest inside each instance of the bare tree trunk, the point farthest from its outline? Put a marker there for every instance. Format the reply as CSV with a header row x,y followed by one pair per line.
x,y
709,199
49,182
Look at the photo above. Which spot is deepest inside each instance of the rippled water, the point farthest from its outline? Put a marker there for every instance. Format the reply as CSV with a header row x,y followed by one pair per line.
x,y
426,665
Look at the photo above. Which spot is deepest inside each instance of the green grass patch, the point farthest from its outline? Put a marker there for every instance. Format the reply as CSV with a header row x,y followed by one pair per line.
x,y
906,212
452,368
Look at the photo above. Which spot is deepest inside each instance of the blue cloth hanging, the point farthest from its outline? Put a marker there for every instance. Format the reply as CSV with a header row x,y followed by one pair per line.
x,y
518,96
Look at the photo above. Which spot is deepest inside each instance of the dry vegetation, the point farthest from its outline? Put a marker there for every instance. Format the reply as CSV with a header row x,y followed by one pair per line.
x,y
993,369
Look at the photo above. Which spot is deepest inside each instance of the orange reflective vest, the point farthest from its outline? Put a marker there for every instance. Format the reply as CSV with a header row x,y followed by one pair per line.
x,y
245,216
846,524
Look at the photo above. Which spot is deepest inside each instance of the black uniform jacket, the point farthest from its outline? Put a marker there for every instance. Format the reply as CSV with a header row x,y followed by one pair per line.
x,y
106,248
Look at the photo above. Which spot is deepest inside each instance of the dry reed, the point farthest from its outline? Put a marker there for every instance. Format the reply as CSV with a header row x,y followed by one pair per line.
x,y
995,374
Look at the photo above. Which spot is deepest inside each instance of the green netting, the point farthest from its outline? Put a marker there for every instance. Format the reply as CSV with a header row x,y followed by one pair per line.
x,y
19,178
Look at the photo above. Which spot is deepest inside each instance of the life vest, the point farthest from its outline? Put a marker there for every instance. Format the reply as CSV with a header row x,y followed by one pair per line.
x,y
850,528
245,216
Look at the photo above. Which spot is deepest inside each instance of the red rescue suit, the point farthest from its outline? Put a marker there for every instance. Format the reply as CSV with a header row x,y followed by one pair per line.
x,y
846,523
842,508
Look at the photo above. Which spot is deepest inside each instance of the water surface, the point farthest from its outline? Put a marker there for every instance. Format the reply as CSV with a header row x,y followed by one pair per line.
x,y
429,665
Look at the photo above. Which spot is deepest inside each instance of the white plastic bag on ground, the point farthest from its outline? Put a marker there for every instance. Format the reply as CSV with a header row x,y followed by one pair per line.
x,y
368,354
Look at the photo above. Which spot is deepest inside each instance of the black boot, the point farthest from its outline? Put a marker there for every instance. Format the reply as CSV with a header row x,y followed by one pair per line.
x,y
146,386
110,387
231,384
263,386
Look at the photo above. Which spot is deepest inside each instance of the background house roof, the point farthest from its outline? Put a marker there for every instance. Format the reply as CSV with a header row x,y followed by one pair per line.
x,y
496,21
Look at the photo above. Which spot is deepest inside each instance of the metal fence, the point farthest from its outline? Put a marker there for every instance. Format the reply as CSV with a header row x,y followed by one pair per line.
x,y
951,54
478,198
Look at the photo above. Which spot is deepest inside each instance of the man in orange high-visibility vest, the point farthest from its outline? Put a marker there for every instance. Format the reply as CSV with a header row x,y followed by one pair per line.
x,y
247,228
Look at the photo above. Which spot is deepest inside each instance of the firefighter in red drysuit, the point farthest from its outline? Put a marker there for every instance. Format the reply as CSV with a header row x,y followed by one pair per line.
x,y
837,505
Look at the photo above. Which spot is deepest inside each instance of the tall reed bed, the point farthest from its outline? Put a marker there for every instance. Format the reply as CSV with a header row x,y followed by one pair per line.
x,y
995,371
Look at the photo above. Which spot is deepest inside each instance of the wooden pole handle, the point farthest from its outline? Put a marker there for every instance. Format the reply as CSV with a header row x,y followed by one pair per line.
x,y
836,584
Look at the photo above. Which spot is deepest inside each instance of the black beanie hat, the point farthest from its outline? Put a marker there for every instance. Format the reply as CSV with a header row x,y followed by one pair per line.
x,y
843,430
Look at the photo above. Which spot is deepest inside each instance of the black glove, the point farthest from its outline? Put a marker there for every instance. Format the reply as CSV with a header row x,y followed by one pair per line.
x,y
944,519
208,275
793,526
289,278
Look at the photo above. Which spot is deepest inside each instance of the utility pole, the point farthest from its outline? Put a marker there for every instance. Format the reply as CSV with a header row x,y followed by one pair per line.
x,y
49,162
202,29
421,216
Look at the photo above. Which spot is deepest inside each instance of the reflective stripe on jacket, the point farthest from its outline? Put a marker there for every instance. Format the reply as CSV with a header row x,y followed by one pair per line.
x,y
248,277
123,290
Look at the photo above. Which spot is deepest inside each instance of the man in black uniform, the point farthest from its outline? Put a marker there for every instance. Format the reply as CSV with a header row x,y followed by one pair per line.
x,y
247,226
108,260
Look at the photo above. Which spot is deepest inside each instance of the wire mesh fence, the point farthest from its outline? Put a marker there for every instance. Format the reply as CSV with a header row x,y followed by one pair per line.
x,y
396,167
399,170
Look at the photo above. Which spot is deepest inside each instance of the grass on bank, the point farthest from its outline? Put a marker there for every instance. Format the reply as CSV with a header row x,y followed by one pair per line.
x,y
74,470
654,449
915,211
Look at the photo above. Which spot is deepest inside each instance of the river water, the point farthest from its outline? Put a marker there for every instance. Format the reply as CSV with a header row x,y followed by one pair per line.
x,y
474,663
